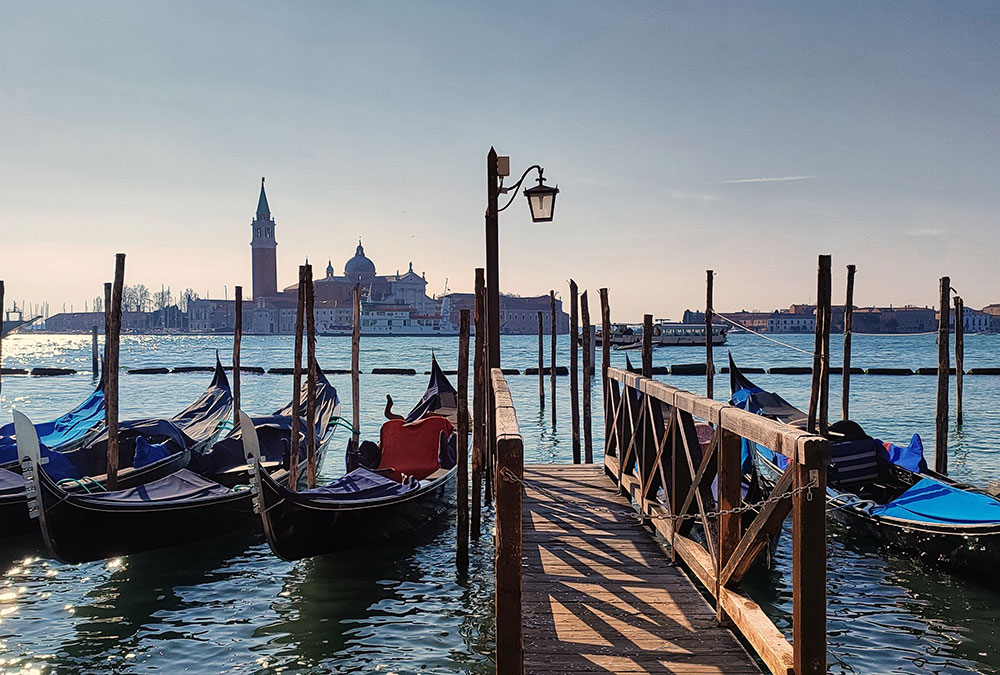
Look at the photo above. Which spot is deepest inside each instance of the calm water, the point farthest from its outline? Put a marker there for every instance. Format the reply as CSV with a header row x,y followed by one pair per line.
x,y
230,607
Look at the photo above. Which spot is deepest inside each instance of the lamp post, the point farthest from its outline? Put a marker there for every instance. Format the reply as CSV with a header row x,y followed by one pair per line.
x,y
541,202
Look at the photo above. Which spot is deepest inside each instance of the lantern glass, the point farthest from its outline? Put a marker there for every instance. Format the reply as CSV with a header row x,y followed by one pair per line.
x,y
542,202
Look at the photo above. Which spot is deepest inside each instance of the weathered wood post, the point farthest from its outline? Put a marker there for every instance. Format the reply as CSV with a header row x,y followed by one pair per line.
x,y
574,369
845,396
552,361
809,562
510,471
944,366
541,365
462,445
819,395
293,438
709,362
606,361
311,376
111,372
959,355
107,325
647,345
94,356
479,401
356,365
588,369
237,339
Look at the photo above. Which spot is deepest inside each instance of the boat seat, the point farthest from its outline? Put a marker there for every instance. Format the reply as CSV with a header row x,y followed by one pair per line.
x,y
412,449
853,464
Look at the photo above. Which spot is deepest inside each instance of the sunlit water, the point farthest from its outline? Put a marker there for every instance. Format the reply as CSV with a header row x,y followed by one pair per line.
x,y
228,606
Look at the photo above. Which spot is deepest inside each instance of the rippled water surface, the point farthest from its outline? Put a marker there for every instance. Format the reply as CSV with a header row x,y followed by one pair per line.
x,y
230,607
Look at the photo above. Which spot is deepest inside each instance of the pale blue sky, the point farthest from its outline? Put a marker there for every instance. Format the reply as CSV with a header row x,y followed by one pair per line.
x,y
145,128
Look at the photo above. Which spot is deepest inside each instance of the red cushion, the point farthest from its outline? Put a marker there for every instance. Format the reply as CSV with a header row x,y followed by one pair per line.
x,y
412,449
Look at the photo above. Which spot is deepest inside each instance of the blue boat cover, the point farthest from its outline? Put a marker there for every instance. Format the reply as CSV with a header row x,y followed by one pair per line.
x,y
183,485
10,482
910,458
361,484
60,431
91,459
147,453
931,501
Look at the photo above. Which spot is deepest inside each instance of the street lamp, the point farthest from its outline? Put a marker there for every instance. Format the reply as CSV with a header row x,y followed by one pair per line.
x,y
542,204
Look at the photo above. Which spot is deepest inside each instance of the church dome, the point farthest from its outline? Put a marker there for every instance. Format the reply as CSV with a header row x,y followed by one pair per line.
x,y
359,267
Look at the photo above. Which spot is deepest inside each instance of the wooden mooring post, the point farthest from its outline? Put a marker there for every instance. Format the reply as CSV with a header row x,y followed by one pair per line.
x,y
845,394
959,356
605,354
311,376
107,326
709,361
574,369
588,370
237,338
552,354
293,438
462,445
944,366
94,356
479,403
508,565
818,419
111,371
541,365
356,365
647,345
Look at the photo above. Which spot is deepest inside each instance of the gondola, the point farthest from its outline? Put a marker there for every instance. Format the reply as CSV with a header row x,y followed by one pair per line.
x,y
884,491
400,485
181,507
149,449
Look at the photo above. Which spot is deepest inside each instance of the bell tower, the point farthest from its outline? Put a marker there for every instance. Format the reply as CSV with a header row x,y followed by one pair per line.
x,y
264,247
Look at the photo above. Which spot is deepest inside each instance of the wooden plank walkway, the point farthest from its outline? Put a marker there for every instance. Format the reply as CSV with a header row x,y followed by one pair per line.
x,y
600,595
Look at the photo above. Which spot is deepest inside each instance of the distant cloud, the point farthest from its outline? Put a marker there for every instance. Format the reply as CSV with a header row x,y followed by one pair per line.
x,y
694,196
781,179
926,232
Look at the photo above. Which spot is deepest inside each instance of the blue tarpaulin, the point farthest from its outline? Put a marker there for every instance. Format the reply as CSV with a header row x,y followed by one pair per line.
x,y
931,501
58,432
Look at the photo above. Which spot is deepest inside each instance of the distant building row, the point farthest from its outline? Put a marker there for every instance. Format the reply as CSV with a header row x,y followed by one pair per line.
x,y
908,319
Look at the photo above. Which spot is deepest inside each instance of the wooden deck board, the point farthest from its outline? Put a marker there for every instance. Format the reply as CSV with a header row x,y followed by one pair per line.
x,y
601,596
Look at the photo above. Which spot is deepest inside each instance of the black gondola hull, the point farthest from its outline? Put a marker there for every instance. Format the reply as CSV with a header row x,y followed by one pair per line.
x,y
299,525
78,530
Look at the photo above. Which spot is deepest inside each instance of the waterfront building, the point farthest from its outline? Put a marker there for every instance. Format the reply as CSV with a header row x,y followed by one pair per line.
x,y
791,322
518,315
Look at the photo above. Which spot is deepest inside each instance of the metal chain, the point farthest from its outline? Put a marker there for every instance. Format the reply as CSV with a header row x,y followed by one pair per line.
x,y
508,476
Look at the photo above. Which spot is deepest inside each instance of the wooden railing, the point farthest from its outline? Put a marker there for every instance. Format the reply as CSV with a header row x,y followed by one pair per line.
x,y
652,444
507,481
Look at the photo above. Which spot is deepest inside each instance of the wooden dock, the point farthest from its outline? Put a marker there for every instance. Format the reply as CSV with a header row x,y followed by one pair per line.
x,y
599,593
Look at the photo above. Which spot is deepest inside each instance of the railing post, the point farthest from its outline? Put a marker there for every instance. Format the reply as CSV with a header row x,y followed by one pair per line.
x,y
509,474
809,563
729,477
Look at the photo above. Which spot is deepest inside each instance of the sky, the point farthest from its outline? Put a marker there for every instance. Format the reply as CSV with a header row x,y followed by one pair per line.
x,y
746,138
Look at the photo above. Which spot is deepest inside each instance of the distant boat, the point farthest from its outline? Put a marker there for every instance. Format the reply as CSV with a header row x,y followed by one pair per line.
x,y
666,334
14,320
